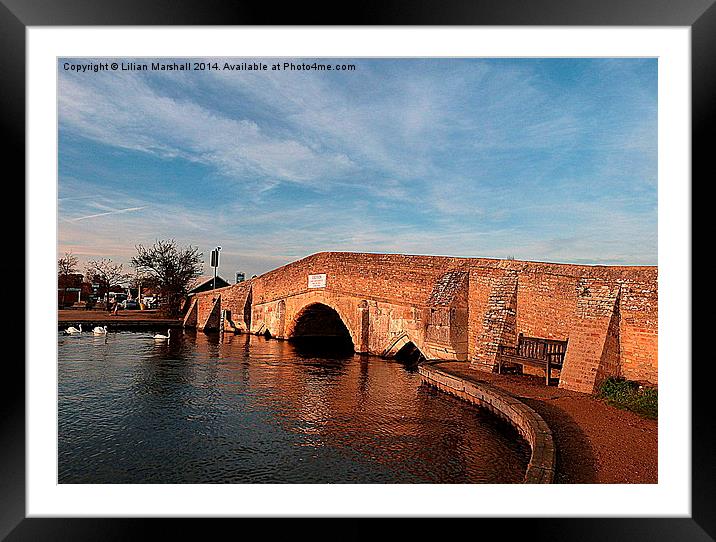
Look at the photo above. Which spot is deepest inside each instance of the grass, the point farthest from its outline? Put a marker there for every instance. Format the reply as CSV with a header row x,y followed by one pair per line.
x,y
630,395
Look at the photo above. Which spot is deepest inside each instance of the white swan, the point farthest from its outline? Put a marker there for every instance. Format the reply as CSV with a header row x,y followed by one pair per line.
x,y
159,336
73,329
100,330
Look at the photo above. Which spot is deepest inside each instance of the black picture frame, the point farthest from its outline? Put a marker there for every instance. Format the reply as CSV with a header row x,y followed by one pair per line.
x,y
16,15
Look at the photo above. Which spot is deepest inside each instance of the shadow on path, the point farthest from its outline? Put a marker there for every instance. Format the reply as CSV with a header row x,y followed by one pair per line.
x,y
576,463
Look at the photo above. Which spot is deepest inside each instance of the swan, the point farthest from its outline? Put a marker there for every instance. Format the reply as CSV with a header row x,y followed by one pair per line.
x,y
73,329
159,336
100,330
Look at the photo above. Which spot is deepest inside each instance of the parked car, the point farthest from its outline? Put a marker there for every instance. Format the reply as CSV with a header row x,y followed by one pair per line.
x,y
130,304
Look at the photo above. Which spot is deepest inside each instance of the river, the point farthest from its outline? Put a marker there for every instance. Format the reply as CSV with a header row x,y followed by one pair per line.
x,y
244,409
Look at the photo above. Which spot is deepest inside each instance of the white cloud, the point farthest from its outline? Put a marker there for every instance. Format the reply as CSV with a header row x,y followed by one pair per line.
x,y
122,111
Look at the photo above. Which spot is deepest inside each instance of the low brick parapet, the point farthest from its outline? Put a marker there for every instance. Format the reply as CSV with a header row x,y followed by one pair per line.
x,y
528,423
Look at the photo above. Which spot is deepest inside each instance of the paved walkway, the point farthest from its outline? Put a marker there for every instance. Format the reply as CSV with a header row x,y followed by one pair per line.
x,y
124,319
596,442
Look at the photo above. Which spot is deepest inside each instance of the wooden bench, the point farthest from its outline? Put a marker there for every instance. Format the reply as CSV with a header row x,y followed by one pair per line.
x,y
545,354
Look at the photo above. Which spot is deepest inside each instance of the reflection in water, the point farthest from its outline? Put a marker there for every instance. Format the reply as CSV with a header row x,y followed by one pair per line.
x,y
243,409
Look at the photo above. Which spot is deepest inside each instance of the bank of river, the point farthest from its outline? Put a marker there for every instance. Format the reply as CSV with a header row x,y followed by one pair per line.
x,y
124,320
243,409
595,442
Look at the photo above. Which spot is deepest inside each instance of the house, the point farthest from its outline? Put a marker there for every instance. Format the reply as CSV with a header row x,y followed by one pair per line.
x,y
204,283
72,289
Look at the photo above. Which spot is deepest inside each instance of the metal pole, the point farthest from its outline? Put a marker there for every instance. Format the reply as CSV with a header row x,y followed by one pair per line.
x,y
216,250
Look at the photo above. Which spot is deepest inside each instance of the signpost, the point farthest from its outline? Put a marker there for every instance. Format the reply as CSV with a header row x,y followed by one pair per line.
x,y
215,262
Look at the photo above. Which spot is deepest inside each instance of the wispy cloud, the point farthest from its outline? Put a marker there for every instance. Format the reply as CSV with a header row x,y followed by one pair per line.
x,y
537,159
125,112
107,213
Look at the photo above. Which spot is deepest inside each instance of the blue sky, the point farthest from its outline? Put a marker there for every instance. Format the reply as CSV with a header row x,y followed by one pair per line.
x,y
536,159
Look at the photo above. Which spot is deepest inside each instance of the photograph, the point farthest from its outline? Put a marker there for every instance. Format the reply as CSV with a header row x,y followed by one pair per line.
x,y
422,262
357,270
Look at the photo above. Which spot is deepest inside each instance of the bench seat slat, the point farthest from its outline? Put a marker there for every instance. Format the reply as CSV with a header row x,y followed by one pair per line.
x,y
531,361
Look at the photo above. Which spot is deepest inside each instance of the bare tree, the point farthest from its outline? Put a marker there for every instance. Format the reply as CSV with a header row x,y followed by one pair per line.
x,y
106,273
66,266
172,268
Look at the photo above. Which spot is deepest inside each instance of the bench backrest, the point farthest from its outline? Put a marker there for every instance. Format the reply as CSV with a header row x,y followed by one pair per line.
x,y
537,348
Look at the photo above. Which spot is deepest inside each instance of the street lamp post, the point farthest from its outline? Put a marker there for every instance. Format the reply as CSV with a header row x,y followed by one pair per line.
x,y
215,262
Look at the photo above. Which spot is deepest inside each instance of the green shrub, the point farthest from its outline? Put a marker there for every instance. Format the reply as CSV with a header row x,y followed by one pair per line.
x,y
631,395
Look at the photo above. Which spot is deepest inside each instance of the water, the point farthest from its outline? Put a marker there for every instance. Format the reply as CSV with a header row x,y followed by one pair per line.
x,y
244,409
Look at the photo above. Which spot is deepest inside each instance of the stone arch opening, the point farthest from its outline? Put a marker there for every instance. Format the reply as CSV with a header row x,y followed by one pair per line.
x,y
247,310
322,326
409,354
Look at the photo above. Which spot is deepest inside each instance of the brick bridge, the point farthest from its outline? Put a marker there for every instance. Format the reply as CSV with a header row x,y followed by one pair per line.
x,y
395,305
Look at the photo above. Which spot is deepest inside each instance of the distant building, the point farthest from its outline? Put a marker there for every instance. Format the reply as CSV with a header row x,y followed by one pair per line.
x,y
204,283
72,289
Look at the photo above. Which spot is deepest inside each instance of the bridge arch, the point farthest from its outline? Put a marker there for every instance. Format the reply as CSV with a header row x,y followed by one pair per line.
x,y
410,354
320,319
403,347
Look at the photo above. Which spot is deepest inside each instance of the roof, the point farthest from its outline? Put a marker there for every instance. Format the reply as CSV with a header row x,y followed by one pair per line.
x,y
203,280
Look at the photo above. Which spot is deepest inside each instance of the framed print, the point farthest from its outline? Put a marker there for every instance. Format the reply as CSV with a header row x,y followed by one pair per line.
x,y
420,263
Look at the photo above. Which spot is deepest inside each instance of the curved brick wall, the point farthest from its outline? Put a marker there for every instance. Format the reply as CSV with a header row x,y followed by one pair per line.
x,y
530,425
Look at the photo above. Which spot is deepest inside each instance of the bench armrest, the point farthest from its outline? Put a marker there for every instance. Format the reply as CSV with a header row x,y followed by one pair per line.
x,y
505,349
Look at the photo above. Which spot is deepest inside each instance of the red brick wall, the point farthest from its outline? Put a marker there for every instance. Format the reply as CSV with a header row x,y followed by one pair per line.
x,y
492,306
381,277
233,298
545,303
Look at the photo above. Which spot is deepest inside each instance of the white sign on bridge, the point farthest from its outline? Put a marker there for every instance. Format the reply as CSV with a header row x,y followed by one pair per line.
x,y
317,281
